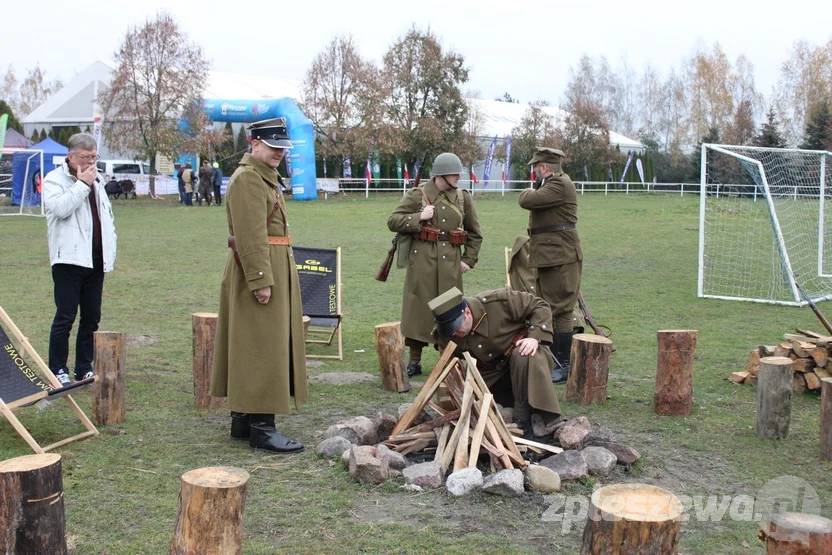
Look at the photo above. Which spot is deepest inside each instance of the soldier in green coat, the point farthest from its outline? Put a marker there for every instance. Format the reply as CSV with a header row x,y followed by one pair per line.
x,y
446,240
259,349
508,333
554,247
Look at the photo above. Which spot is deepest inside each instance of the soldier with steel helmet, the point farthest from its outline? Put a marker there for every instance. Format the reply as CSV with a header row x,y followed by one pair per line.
x,y
259,350
554,247
441,240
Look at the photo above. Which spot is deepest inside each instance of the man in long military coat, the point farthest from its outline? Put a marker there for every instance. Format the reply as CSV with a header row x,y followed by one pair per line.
x,y
554,247
259,350
434,266
508,332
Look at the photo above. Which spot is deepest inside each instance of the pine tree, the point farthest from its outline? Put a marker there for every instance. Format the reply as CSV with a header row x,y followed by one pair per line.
x,y
13,122
43,135
769,135
35,138
225,155
818,134
241,146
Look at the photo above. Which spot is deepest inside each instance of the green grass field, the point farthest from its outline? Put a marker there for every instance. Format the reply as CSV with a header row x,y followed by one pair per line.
x,y
639,276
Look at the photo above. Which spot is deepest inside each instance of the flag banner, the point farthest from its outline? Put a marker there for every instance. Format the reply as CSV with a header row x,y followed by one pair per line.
x,y
586,173
399,169
640,169
507,163
97,117
626,167
347,167
376,165
368,172
4,121
610,174
488,159
406,176
324,161
318,282
474,177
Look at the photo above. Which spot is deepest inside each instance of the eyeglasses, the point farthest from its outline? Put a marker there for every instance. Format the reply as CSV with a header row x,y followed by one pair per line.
x,y
87,158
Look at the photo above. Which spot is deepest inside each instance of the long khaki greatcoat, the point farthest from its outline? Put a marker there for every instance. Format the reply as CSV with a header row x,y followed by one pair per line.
x,y
498,316
554,202
433,268
259,350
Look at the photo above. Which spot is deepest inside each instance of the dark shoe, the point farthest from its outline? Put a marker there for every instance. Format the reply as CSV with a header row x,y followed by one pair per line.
x,y
564,341
240,427
559,373
414,368
525,426
265,436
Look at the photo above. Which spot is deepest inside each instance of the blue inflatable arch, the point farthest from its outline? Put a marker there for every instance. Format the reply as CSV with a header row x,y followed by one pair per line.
x,y
301,158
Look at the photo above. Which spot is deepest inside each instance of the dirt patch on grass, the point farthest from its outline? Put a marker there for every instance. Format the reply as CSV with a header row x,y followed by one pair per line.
x,y
341,378
142,340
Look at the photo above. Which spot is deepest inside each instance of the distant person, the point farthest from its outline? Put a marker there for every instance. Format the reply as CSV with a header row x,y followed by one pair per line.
x,y
217,184
188,177
206,179
113,188
181,182
82,247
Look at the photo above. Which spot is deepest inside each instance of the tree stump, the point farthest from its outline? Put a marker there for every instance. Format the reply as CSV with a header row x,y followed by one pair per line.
x,y
205,329
390,348
674,372
797,534
108,388
590,361
826,419
633,519
774,397
32,516
307,320
210,516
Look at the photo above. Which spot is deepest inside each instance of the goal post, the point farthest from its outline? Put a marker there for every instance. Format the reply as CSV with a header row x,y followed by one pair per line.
x,y
764,228
21,178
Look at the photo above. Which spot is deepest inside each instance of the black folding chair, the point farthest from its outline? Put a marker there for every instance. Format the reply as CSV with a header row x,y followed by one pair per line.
x,y
319,271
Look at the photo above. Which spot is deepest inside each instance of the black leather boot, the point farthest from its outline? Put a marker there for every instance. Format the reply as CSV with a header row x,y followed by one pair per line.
x,y
265,436
240,427
414,368
525,426
563,355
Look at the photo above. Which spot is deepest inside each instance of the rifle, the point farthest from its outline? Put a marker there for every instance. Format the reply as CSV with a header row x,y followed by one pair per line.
x,y
590,319
815,309
384,270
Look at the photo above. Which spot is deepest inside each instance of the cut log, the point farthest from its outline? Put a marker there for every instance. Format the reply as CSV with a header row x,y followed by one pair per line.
x,y
798,382
783,351
587,383
464,423
753,366
807,339
629,519
797,534
812,381
108,388
802,349
390,349
821,355
774,397
826,419
674,372
476,439
766,350
810,334
751,380
739,377
204,330
822,373
307,320
32,518
210,516
803,364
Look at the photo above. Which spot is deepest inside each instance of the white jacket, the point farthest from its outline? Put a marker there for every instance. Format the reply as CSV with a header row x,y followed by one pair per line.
x,y
69,220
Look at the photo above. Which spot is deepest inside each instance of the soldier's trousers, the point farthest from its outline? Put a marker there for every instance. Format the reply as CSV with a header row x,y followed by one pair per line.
x,y
559,286
530,380
205,194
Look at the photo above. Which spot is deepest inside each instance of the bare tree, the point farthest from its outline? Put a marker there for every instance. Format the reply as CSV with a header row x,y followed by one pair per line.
x,y
805,82
340,97
537,127
35,90
8,88
674,120
709,83
158,81
423,105
652,102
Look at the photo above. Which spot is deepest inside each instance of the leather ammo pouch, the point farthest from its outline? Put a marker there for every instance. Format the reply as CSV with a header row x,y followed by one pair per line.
x,y
428,233
458,237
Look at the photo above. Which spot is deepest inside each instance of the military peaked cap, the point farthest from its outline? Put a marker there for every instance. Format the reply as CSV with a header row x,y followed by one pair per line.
x,y
447,311
273,132
547,155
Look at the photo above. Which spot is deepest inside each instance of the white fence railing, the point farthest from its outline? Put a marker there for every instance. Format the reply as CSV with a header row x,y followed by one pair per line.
x,y
365,187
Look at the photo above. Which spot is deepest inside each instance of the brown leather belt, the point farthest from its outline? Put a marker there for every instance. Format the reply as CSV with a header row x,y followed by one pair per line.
x,y
551,228
284,241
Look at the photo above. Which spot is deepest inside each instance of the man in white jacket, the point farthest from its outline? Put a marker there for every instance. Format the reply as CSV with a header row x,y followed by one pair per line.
x,y
82,247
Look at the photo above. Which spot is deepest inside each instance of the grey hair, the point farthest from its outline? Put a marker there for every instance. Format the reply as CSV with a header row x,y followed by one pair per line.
x,y
553,167
81,141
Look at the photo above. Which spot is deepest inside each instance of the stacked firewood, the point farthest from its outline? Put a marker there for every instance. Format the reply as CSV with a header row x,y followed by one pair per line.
x,y
469,423
809,351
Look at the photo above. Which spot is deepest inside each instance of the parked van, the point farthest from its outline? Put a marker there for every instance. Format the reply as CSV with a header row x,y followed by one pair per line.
x,y
115,168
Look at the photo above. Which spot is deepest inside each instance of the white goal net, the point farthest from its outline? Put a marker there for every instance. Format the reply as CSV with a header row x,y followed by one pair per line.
x,y
765,228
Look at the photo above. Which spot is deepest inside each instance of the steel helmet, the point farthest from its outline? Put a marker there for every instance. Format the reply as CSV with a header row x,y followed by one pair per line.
x,y
446,163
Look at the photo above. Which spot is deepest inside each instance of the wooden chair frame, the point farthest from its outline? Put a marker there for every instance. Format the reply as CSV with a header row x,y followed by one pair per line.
x,y
7,410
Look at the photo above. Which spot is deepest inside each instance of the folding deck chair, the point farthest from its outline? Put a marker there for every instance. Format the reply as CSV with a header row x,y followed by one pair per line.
x,y
21,386
319,271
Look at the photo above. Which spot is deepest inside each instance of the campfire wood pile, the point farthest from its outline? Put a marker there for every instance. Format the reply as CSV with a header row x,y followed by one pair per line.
x,y
472,427
810,352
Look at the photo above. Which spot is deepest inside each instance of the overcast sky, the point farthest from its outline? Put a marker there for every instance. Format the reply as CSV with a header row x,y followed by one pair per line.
x,y
523,47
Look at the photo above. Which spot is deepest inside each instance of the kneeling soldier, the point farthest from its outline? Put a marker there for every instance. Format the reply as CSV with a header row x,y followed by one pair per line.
x,y
503,330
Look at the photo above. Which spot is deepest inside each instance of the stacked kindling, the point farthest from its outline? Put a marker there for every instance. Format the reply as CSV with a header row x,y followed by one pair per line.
x,y
810,352
468,426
